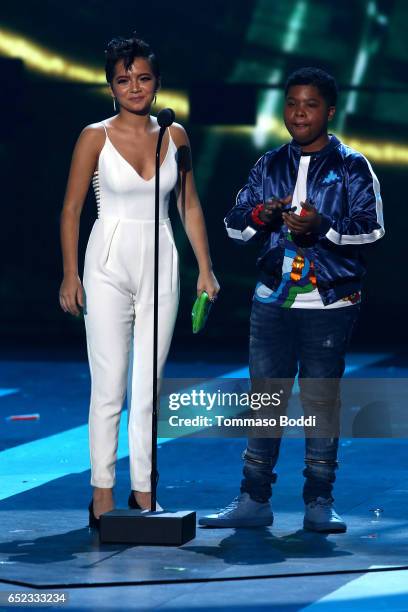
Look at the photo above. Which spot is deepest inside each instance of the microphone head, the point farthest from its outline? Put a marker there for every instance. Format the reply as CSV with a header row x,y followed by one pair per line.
x,y
166,117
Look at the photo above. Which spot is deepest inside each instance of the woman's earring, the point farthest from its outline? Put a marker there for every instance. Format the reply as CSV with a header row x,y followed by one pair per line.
x,y
154,99
114,104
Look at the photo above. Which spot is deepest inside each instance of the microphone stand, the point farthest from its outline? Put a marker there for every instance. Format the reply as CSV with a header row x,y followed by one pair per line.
x,y
154,474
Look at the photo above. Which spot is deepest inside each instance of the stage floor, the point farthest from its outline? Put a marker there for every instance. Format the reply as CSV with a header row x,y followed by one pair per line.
x,y
45,542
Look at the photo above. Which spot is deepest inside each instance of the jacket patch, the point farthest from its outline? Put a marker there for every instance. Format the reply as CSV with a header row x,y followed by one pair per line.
x,y
332,177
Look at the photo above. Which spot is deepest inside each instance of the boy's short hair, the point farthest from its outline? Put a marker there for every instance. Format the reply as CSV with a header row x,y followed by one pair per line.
x,y
323,81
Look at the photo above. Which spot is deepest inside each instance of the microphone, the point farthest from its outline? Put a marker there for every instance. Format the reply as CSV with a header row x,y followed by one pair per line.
x,y
166,117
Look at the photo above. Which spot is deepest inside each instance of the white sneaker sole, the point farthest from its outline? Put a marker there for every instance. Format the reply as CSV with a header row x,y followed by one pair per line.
x,y
324,527
237,524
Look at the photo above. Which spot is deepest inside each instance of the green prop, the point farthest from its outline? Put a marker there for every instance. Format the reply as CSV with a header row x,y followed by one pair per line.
x,y
201,309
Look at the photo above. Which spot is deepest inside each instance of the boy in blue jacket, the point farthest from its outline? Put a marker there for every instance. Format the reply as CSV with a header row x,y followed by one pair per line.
x,y
311,204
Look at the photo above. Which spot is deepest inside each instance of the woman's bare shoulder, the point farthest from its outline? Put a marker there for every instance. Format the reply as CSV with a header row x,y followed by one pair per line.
x,y
179,134
92,138
93,131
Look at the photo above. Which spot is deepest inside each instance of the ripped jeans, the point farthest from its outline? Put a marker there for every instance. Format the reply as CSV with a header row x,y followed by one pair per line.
x,y
313,344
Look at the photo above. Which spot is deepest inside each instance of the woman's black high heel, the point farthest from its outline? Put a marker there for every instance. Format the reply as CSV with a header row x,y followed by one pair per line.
x,y
94,523
132,503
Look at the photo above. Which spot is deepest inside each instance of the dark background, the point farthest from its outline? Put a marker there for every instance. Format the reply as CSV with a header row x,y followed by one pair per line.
x,y
210,48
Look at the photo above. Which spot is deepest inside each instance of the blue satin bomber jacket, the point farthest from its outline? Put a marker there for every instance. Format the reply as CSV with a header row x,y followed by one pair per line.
x,y
345,191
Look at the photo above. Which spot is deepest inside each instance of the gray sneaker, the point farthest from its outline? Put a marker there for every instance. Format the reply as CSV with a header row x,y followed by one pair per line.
x,y
241,512
321,516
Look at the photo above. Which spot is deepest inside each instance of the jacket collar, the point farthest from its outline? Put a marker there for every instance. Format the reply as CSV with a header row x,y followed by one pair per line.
x,y
332,144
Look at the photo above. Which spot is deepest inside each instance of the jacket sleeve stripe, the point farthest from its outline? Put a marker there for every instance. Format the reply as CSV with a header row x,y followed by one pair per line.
x,y
377,233
238,222
355,239
245,235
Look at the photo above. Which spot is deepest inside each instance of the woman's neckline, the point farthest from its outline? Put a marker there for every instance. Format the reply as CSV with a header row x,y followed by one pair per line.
x,y
107,139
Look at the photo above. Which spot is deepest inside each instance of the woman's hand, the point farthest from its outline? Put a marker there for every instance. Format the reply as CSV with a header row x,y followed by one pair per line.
x,y
207,282
71,295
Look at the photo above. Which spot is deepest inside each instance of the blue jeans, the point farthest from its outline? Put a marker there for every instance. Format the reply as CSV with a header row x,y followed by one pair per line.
x,y
313,344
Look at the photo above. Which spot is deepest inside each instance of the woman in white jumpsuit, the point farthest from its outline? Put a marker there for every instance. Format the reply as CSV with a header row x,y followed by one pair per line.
x,y
118,155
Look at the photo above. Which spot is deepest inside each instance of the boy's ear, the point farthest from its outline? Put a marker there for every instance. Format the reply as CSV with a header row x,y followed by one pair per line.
x,y
331,112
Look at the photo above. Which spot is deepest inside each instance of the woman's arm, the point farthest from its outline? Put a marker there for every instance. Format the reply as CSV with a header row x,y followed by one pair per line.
x,y
84,160
191,214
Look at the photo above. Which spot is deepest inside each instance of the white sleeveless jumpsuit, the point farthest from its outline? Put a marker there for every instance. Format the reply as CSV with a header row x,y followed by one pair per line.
x,y
118,283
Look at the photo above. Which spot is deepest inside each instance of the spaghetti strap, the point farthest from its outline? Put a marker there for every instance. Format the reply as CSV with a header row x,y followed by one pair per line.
x,y
104,127
171,141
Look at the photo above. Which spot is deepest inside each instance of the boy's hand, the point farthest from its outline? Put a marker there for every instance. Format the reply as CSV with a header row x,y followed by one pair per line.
x,y
273,209
307,222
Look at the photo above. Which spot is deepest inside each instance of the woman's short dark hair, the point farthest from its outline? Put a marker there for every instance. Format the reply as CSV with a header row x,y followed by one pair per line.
x,y
127,49
323,81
